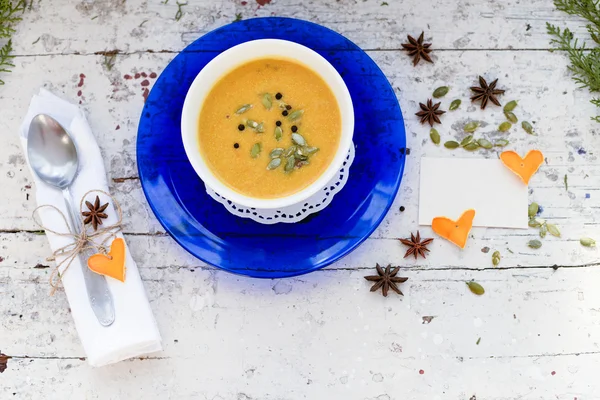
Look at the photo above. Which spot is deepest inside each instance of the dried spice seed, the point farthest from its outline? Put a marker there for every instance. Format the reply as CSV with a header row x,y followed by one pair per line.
x,y
527,127
475,288
566,180
255,150
471,146
485,92
267,101
241,127
417,247
454,105
501,143
534,244
553,230
496,258
511,105
441,92
284,113
278,133
511,117
236,145
505,126
96,214
451,144
298,139
296,115
386,279
434,135
294,129
486,144
274,163
533,209
471,126
477,343
278,96
417,49
587,242
288,107
466,140
278,123
243,109
430,112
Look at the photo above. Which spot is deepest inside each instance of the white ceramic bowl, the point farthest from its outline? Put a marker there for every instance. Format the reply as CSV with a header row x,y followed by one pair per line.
x,y
229,60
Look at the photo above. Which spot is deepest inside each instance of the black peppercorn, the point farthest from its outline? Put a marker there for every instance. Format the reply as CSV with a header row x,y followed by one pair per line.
x,y
288,107
278,123
236,145
241,127
278,96
284,113
402,209
294,128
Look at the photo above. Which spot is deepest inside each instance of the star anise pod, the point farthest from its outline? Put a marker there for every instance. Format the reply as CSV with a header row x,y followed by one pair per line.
x,y
386,279
96,213
485,92
429,113
418,49
416,247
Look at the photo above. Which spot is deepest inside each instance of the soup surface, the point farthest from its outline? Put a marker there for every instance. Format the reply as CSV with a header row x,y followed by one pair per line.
x,y
269,128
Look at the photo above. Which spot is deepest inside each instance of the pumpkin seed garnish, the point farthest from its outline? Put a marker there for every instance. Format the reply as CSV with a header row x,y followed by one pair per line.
x,y
466,140
486,144
251,124
472,146
496,258
295,115
475,288
260,128
310,150
451,144
274,163
534,223
511,105
289,165
505,126
441,92
587,242
434,135
283,105
501,143
534,244
511,117
243,109
553,230
298,139
472,126
267,101
455,104
566,180
291,150
278,133
527,127
255,150
276,152
533,209
543,230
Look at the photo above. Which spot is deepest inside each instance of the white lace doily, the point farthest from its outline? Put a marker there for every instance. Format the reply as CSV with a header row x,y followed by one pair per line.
x,y
294,213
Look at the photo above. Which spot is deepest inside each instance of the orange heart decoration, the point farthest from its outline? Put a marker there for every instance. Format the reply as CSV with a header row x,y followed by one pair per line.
x,y
455,231
112,264
524,167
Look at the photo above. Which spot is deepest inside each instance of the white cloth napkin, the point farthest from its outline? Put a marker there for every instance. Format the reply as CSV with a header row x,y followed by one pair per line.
x,y
134,331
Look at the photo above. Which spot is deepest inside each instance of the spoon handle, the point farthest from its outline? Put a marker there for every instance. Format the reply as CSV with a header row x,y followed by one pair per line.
x,y
97,288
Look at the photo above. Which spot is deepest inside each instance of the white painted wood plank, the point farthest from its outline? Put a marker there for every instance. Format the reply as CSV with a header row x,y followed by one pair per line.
x,y
324,334
64,27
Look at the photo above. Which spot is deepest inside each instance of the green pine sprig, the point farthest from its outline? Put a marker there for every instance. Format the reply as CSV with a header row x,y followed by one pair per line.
x,y
10,15
585,62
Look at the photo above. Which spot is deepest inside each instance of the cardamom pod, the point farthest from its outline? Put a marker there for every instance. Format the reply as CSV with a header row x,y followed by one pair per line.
x,y
475,288
534,244
451,144
505,126
455,104
472,126
527,127
441,92
511,117
434,135
511,105
587,242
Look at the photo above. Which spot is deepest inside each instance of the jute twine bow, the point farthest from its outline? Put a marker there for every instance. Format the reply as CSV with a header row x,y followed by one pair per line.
x,y
81,240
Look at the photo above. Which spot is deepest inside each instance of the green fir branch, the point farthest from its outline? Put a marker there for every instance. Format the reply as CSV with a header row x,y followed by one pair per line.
x,y
585,62
10,15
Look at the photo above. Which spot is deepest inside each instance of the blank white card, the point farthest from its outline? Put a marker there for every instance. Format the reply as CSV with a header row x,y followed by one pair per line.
x,y
449,186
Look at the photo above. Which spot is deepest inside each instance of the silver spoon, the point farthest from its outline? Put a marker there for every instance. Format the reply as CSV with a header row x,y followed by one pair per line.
x,y
53,157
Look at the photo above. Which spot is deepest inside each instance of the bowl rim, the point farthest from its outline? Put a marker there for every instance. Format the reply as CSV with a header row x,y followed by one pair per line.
x,y
198,91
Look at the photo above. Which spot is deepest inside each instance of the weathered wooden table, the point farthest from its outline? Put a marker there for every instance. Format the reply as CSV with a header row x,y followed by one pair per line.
x,y
323,335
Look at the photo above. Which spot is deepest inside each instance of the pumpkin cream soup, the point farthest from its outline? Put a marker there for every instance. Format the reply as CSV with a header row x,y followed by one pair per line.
x,y
269,128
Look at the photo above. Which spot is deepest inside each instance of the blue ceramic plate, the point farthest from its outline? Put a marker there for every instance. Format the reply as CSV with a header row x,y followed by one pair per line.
x,y
205,228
